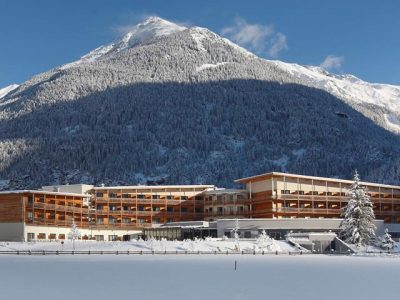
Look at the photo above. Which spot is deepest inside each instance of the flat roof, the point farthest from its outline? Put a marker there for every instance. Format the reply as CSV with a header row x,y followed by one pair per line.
x,y
280,174
152,187
42,192
226,191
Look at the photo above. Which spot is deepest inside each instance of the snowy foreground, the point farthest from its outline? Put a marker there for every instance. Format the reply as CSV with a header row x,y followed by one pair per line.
x,y
198,277
208,245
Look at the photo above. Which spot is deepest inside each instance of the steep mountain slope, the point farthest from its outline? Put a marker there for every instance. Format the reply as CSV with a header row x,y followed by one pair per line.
x,y
182,105
364,96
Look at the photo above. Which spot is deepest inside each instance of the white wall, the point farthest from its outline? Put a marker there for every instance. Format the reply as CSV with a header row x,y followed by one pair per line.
x,y
72,188
66,230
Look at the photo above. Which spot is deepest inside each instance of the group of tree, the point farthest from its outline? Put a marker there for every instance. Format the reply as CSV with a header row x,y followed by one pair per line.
x,y
357,226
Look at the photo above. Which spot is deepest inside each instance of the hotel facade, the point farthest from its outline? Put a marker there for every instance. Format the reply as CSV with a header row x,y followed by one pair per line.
x,y
120,212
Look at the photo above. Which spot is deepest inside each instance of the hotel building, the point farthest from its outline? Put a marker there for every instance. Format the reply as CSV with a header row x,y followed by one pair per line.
x,y
118,212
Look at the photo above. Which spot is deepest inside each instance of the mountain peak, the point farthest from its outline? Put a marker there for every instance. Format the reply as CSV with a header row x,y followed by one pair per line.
x,y
151,28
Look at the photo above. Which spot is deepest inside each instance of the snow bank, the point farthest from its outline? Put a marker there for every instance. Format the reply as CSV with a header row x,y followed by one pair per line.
x,y
208,245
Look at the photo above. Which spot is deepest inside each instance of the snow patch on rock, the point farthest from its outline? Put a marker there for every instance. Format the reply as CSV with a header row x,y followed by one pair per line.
x,y
7,90
209,66
393,121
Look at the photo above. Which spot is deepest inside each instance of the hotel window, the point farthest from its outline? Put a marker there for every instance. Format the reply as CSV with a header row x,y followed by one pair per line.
x,y
140,196
99,195
113,208
230,198
140,208
285,192
30,215
239,197
169,197
99,237
141,221
99,221
99,207
184,197
314,193
126,208
156,221
184,209
112,195
156,196
41,236
300,192
126,196
112,220
329,193
31,236
170,209
126,220
156,208
198,198
197,210
112,238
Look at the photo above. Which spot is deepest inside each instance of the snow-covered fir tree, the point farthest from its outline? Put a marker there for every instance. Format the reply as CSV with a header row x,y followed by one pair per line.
x,y
386,241
263,240
358,225
74,234
236,235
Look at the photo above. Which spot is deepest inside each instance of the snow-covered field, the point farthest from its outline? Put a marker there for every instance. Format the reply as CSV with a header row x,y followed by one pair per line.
x,y
198,277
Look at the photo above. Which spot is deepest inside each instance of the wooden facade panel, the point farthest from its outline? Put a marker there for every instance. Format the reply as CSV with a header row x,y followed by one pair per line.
x,y
11,208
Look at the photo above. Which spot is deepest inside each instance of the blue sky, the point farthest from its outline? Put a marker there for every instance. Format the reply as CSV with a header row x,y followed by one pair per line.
x,y
357,37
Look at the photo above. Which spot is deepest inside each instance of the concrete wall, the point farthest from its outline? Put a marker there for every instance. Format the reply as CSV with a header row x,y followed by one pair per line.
x,y
12,232
287,225
73,188
260,186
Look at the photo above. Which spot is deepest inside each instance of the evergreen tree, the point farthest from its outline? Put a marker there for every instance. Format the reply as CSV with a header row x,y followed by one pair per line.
x,y
358,225
386,241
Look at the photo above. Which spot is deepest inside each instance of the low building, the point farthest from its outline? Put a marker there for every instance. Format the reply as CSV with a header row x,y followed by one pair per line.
x,y
42,215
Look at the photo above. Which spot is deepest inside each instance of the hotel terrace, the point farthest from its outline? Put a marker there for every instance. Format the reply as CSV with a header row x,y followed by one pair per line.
x,y
118,212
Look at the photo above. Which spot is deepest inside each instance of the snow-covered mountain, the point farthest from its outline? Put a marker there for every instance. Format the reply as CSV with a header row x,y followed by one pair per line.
x,y
171,104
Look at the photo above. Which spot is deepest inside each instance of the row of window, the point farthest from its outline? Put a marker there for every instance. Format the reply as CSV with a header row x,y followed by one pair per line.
x,y
288,192
154,208
142,196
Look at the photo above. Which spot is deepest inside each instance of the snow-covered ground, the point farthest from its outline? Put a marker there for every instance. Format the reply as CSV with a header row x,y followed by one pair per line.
x,y
198,277
208,245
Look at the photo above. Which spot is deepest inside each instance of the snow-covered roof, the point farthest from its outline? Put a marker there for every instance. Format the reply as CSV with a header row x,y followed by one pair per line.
x,y
41,192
